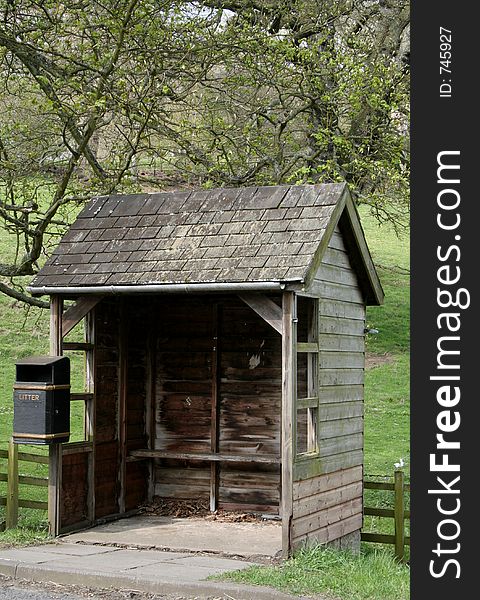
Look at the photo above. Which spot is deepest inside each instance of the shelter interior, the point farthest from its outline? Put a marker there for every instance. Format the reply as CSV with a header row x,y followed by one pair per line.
x,y
188,405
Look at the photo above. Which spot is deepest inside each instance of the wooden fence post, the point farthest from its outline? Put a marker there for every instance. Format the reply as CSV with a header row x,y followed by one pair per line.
x,y
399,515
11,520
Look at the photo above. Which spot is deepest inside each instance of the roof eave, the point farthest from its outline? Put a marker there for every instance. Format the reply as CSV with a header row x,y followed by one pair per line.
x,y
163,288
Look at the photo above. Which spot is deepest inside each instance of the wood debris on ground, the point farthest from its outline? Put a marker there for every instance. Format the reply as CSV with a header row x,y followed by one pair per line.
x,y
172,507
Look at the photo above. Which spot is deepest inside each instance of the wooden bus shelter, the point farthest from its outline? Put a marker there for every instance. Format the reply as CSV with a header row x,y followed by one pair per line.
x,y
225,356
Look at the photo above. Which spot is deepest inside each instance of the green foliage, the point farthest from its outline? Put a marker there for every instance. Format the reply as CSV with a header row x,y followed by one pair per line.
x,y
130,95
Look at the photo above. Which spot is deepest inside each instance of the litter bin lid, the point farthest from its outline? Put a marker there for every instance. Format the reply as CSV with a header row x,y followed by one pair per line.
x,y
40,360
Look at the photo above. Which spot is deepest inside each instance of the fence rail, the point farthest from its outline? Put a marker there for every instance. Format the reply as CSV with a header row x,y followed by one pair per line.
x,y
12,500
399,539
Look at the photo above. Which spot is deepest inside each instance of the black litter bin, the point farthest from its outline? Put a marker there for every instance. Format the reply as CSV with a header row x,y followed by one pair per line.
x,y
41,400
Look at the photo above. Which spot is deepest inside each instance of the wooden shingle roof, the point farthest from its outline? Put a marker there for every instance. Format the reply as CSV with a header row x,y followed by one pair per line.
x,y
254,234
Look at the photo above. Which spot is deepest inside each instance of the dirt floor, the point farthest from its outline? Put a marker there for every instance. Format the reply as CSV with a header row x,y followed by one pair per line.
x,y
171,507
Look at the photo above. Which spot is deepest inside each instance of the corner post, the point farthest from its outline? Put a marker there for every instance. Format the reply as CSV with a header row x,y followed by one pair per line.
x,y
55,450
399,514
289,370
11,518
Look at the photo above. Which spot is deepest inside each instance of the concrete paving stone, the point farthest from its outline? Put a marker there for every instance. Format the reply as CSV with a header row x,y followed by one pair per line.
x,y
111,562
79,549
244,539
26,555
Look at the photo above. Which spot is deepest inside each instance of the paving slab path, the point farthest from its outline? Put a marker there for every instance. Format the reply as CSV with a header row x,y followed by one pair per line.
x,y
167,573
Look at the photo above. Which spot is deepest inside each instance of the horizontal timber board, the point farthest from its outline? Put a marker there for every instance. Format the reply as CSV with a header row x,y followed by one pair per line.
x,y
340,377
256,508
311,468
324,500
336,257
33,458
35,504
341,326
329,516
327,482
337,308
340,410
381,538
340,393
331,532
338,427
341,343
187,491
306,403
337,274
341,444
336,241
379,512
37,481
267,459
341,360
378,485
336,291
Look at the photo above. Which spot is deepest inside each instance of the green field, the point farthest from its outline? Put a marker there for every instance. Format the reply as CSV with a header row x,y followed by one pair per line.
x,y
373,575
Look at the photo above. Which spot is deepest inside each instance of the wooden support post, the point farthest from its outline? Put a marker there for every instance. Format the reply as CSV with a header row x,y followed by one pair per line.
x,y
289,370
11,518
215,413
55,450
399,514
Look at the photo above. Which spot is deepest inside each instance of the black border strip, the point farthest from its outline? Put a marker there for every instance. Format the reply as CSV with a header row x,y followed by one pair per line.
x,y
444,234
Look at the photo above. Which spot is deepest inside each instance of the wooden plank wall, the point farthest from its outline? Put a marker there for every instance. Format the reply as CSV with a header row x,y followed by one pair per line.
x,y
107,487
139,314
249,390
74,489
250,407
328,489
182,394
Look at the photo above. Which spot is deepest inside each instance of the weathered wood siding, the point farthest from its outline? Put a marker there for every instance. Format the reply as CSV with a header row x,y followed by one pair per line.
x,y
183,370
250,407
328,488
74,495
137,378
107,489
249,395
326,507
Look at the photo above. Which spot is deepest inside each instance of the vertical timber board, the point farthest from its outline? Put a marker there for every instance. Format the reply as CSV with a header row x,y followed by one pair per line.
x,y
122,407
90,411
55,450
289,370
214,434
106,377
150,406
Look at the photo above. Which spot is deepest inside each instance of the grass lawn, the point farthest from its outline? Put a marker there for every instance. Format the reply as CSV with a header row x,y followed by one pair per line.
x,y
372,575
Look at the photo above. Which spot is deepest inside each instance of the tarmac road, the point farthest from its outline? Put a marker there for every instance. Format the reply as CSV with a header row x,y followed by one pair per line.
x,y
15,590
